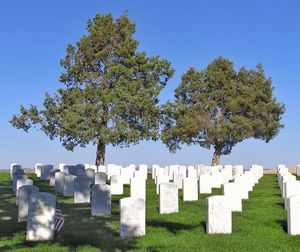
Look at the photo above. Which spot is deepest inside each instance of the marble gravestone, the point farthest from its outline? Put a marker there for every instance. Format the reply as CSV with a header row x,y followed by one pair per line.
x,y
60,181
132,217
205,185
52,176
82,190
116,185
291,188
293,217
40,221
190,189
231,191
23,200
100,178
69,185
168,198
218,215
22,182
138,188
101,200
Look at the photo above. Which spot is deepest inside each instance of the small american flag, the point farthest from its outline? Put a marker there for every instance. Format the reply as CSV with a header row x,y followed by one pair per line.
x,y
59,220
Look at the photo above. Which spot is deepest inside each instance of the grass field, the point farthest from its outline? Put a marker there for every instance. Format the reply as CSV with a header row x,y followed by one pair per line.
x,y
260,227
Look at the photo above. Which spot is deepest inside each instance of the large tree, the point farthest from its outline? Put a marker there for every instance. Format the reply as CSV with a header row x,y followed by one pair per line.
x,y
109,93
219,107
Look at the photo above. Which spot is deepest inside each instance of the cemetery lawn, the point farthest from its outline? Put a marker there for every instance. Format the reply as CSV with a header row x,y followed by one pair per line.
x,y
260,227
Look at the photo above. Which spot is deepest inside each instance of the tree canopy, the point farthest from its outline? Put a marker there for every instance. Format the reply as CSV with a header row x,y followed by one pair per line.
x,y
110,91
219,107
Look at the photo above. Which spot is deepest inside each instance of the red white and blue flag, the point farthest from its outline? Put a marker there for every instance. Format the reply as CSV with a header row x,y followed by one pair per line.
x,y
59,220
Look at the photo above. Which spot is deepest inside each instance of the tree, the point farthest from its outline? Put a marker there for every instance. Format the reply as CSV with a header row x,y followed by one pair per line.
x,y
110,91
219,107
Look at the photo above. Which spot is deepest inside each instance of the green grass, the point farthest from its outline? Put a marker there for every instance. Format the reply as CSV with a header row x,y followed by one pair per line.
x,y
260,227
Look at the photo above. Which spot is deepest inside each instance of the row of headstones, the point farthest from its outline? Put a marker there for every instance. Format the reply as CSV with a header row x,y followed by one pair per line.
x,y
34,207
88,186
195,180
219,207
290,192
38,208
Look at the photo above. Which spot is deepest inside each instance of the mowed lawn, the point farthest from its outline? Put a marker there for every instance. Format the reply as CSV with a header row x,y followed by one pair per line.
x,y
260,227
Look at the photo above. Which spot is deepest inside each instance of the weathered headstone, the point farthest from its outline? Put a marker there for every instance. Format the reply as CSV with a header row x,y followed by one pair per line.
x,y
69,185
101,200
138,188
168,198
100,178
116,185
132,217
190,189
82,190
218,218
40,222
60,181
23,199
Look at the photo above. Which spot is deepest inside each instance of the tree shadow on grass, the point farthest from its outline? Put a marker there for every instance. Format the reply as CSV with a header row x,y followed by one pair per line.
x,y
80,228
170,226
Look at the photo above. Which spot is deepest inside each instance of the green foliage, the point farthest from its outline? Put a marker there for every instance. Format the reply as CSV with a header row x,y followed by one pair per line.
x,y
219,107
110,90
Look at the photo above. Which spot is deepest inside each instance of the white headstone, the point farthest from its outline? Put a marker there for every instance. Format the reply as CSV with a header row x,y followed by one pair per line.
x,y
205,184
161,179
100,178
22,182
52,176
59,181
40,223
45,171
168,198
69,185
116,185
132,217
231,191
23,199
138,188
219,220
13,168
101,200
82,190
178,179
190,189
293,217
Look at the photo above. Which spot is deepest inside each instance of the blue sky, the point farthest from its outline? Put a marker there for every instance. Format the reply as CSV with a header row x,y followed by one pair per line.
x,y
34,36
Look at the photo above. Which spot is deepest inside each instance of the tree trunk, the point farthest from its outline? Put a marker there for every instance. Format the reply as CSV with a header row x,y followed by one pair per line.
x,y
217,155
100,154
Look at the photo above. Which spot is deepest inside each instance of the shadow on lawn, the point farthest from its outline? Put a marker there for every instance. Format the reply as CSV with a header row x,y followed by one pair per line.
x,y
80,227
283,224
171,226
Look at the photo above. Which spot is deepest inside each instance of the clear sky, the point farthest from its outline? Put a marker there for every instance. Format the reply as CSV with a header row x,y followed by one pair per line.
x,y
34,36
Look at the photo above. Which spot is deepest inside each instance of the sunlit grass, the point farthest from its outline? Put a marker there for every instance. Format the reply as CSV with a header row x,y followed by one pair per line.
x,y
260,227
